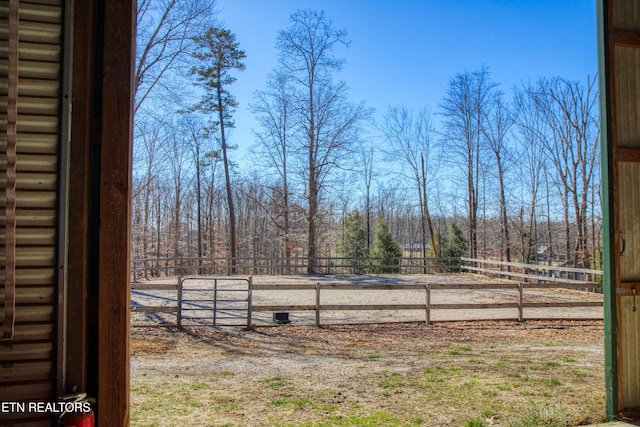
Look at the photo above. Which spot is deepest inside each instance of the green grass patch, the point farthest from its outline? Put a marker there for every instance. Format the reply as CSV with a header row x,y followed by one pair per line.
x,y
392,380
475,422
275,382
552,382
291,402
545,415
377,419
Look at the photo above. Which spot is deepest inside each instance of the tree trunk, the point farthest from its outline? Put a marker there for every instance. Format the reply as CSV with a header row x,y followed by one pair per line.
x,y
473,221
504,224
227,177
567,229
313,184
199,207
312,217
432,236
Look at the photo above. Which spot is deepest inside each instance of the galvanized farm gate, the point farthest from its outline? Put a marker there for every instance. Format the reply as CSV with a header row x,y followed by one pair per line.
x,y
214,301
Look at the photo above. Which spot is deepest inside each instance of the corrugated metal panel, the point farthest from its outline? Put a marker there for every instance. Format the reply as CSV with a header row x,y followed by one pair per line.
x,y
28,371
627,91
630,343
34,181
27,363
36,217
34,295
629,206
36,143
35,69
626,15
33,237
35,162
34,276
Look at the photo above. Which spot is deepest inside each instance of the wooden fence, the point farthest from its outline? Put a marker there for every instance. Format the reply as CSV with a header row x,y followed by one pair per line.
x,y
167,267
427,306
148,269
533,272
157,287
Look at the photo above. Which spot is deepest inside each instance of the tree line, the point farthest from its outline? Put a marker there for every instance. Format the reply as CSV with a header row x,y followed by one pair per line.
x,y
484,173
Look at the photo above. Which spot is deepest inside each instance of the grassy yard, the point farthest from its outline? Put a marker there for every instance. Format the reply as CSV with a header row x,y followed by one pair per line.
x,y
450,374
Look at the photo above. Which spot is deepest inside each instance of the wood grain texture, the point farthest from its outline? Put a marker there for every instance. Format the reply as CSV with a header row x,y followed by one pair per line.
x,y
115,198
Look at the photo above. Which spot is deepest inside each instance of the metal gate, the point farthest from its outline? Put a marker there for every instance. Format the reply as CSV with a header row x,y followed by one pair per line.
x,y
204,301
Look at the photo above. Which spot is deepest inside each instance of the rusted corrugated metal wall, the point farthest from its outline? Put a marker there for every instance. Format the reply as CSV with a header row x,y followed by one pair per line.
x,y
28,361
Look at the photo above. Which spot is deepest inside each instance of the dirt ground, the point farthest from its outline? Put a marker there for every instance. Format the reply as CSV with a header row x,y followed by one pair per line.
x,y
469,373
372,368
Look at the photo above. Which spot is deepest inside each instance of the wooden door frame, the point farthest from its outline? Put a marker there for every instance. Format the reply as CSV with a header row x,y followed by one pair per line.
x,y
98,290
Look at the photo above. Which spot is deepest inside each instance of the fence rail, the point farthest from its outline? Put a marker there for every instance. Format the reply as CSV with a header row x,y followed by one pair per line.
x,y
427,305
580,277
167,267
185,266
155,287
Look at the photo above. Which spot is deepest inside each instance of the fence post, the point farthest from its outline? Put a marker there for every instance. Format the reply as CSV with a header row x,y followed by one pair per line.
x,y
318,305
179,304
249,302
215,300
428,303
520,302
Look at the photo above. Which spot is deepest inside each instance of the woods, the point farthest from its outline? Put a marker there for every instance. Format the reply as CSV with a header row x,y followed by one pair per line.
x,y
486,173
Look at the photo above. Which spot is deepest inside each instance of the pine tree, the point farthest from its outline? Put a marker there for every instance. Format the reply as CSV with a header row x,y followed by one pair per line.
x,y
219,55
386,253
456,243
352,243
451,245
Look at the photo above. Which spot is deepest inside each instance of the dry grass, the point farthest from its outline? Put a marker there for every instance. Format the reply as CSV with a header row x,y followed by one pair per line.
x,y
450,374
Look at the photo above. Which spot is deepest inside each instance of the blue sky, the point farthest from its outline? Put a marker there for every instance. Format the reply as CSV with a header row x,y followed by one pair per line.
x,y
404,52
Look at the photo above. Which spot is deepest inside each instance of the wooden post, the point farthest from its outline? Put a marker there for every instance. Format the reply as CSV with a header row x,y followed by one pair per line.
x,y
113,193
249,302
179,304
318,305
520,302
215,299
428,303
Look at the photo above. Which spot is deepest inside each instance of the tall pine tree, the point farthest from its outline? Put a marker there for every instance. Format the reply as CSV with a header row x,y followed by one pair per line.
x,y
219,55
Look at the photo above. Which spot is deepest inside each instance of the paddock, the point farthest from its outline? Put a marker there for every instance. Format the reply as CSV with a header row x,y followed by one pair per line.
x,y
360,299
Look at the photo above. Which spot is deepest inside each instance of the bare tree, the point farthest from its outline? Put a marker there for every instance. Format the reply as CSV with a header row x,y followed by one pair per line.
x,y
147,174
572,144
328,121
194,131
165,31
530,124
410,140
219,55
274,110
164,40
176,148
368,171
462,107
496,123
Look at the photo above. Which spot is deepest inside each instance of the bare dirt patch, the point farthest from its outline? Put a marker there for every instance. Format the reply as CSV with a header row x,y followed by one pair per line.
x,y
446,374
